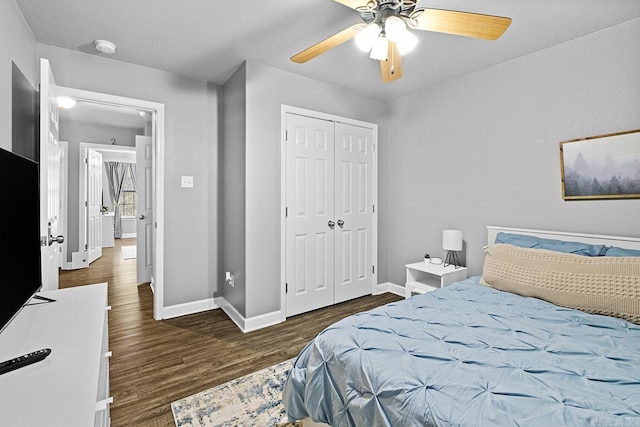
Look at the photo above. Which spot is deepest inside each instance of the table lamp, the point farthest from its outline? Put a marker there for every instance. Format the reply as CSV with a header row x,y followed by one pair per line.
x,y
452,242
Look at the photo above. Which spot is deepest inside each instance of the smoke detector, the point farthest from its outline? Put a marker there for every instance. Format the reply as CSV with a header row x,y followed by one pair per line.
x,y
105,46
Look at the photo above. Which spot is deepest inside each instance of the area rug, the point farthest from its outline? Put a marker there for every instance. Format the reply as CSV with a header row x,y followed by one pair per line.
x,y
252,400
129,252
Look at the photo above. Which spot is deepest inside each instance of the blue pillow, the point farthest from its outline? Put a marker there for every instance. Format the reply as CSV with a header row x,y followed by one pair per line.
x,y
615,251
525,241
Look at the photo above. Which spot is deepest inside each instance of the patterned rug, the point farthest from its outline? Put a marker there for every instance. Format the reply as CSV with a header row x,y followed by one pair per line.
x,y
252,400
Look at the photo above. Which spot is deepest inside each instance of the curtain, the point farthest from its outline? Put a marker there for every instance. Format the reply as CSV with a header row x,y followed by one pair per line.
x,y
116,174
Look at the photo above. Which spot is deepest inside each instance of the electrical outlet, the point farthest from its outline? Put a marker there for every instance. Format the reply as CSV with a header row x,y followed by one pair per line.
x,y
230,278
186,181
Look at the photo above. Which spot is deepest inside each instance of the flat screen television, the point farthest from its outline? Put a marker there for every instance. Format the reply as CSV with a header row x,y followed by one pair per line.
x,y
21,232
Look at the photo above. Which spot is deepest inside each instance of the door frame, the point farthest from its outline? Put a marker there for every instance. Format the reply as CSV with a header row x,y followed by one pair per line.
x,y
158,122
288,109
76,261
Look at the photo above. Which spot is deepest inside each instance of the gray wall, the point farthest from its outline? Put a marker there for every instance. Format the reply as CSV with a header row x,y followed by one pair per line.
x,y
233,168
484,149
17,45
190,149
267,89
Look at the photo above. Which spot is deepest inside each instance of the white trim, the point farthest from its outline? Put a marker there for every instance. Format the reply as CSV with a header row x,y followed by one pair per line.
x,y
288,109
391,288
249,324
595,239
158,119
190,308
64,201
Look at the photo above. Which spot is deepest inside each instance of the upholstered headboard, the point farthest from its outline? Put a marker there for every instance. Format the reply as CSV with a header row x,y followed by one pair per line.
x,y
621,242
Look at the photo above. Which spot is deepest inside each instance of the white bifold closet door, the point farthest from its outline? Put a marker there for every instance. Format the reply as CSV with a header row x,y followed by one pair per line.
x,y
329,236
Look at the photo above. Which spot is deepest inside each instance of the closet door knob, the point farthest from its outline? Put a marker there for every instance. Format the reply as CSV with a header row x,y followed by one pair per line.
x,y
340,222
331,224
141,217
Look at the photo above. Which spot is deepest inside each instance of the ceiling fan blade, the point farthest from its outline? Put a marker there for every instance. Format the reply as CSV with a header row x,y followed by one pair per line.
x,y
391,68
326,44
488,27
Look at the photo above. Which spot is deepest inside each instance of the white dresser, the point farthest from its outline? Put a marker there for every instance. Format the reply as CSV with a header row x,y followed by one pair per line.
x,y
70,387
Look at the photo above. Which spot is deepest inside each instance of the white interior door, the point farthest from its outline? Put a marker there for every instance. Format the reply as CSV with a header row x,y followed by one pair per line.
x,y
50,155
330,215
93,203
354,160
309,237
144,224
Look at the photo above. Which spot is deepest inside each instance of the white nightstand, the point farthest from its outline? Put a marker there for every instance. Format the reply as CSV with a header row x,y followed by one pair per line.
x,y
424,277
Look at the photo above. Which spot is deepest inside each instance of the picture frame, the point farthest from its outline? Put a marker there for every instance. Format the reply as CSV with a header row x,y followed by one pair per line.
x,y
601,167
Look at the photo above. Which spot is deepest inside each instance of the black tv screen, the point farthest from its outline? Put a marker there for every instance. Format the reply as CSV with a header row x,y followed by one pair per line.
x,y
21,232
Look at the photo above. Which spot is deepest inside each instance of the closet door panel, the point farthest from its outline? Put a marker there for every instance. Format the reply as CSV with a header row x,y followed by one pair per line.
x,y
354,211
310,206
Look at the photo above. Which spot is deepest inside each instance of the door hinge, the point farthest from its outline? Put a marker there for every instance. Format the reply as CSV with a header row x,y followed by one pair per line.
x,y
374,147
286,135
374,208
86,204
286,288
286,211
373,269
86,247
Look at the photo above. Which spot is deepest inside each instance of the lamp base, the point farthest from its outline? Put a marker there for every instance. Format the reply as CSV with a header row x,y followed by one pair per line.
x,y
452,259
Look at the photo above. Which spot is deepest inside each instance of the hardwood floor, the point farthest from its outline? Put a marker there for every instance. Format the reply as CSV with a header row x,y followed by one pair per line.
x,y
157,362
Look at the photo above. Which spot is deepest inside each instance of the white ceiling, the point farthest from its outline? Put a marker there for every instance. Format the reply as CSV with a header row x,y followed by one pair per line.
x,y
209,39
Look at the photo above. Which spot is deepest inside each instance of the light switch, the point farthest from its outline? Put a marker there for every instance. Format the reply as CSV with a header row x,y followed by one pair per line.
x,y
186,181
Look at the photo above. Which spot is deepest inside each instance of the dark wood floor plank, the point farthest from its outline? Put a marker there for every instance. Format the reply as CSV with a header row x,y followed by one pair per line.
x,y
157,362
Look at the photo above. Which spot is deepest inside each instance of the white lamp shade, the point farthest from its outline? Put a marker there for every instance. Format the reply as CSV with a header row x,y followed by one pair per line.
x,y
452,240
380,49
406,43
367,37
396,31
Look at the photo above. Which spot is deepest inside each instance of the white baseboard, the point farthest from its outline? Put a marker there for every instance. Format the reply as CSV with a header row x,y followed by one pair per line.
x,y
128,235
248,324
390,287
189,308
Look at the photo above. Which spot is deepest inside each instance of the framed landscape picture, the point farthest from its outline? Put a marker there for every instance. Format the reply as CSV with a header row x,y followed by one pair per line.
x,y
601,167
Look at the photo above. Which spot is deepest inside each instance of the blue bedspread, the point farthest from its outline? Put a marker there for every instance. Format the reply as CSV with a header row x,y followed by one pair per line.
x,y
469,355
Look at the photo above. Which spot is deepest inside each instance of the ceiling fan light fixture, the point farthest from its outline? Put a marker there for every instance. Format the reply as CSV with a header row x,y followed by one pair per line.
x,y
396,31
367,37
406,42
380,49
65,102
394,28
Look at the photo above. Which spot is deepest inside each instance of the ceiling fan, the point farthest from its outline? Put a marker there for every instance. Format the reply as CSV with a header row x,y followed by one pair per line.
x,y
385,34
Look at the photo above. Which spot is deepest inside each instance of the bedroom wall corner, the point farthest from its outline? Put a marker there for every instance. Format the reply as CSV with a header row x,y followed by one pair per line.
x,y
233,171
268,89
186,152
486,148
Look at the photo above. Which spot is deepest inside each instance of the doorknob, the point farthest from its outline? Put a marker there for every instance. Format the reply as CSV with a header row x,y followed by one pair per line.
x,y
340,222
141,217
331,224
48,240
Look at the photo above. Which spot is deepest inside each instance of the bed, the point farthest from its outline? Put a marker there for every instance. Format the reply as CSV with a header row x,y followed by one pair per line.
x,y
506,348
